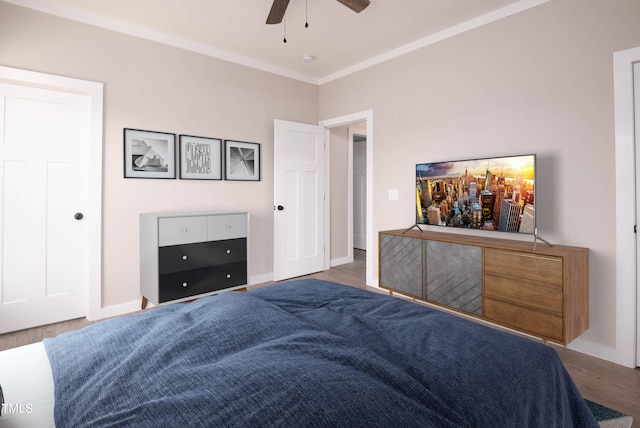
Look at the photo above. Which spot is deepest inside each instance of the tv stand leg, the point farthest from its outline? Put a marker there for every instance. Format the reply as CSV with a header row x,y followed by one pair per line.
x,y
536,237
415,225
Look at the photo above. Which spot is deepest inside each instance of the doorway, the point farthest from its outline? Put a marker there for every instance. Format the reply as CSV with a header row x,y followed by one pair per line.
x,y
366,119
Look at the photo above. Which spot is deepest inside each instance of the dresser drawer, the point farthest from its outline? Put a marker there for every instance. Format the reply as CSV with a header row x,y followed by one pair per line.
x,y
178,258
181,230
543,324
179,285
528,293
524,265
226,226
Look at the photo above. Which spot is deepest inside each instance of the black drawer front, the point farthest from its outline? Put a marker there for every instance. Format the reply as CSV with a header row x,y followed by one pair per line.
x,y
177,258
179,285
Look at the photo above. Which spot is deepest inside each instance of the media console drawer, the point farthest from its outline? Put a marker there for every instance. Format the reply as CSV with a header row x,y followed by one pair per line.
x,y
187,255
538,323
524,265
523,291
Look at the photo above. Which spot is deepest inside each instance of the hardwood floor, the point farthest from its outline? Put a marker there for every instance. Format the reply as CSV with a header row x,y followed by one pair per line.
x,y
598,380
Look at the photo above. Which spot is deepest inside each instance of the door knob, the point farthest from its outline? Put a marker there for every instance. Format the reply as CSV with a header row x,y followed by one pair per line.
x,y
280,207
78,216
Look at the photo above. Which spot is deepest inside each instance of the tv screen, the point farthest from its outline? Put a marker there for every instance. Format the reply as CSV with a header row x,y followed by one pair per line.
x,y
488,194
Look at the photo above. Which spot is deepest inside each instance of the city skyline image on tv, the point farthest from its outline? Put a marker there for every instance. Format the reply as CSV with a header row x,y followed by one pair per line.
x,y
495,193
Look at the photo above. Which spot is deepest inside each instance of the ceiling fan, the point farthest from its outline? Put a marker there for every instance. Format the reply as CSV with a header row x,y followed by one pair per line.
x,y
279,7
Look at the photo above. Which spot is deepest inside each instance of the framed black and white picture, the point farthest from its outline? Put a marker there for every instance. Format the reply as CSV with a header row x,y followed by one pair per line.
x,y
242,161
200,158
149,154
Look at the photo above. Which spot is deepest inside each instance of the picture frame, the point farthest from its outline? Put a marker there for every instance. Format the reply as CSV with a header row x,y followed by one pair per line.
x,y
200,158
149,154
242,160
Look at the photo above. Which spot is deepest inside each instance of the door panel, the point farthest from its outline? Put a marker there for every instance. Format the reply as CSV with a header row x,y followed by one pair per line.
x,y
43,157
298,199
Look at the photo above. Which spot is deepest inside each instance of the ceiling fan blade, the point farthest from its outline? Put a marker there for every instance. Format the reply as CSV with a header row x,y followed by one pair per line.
x,y
356,5
278,8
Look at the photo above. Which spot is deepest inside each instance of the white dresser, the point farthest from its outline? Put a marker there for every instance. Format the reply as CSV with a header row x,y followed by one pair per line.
x,y
185,255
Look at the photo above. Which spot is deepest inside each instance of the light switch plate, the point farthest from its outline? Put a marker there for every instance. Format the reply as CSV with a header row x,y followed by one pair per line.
x,y
394,195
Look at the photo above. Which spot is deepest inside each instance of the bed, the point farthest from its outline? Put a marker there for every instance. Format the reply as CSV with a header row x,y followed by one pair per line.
x,y
300,353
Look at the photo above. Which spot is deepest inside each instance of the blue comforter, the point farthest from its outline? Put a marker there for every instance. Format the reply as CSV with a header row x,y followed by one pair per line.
x,y
307,353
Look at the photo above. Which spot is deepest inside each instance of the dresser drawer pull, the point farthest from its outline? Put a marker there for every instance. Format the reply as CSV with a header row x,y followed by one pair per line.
x,y
228,275
228,251
184,230
184,257
184,285
228,226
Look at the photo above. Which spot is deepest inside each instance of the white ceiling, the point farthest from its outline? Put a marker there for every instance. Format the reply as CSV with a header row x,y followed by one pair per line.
x,y
341,40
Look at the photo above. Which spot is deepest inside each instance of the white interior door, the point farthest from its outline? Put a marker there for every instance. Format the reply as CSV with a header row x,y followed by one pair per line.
x,y
43,184
299,213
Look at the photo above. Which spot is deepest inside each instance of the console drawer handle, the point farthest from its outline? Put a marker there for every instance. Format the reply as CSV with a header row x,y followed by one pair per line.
x,y
228,275
228,251
184,285
184,257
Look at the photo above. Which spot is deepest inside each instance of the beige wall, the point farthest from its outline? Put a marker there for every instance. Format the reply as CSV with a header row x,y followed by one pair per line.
x,y
155,87
540,81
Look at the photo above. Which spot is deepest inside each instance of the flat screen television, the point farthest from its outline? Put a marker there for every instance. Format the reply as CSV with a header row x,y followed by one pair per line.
x,y
495,193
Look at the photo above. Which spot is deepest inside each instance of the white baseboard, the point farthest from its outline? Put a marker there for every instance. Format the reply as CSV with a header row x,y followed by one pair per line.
x,y
341,261
259,279
121,309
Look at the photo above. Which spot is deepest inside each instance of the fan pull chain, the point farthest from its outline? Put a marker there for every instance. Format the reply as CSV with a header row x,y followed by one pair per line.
x,y
306,12
285,29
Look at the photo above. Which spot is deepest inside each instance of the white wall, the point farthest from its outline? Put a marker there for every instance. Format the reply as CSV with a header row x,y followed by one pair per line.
x,y
154,87
540,81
